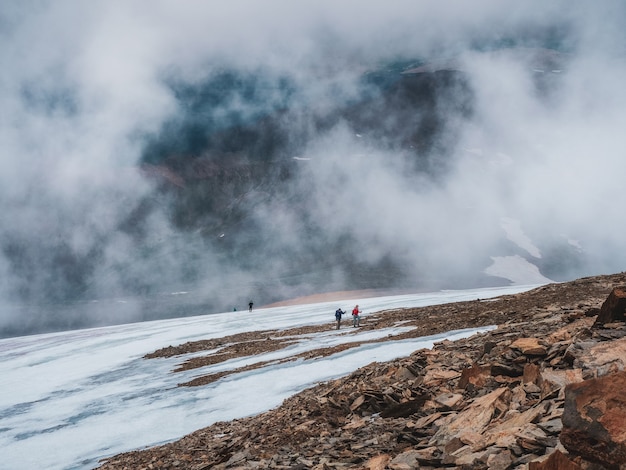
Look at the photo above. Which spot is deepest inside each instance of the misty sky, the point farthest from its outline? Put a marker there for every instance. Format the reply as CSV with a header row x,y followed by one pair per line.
x,y
84,83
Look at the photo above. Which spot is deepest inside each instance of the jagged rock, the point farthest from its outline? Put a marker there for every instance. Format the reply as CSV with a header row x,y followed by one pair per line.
x,y
378,462
475,375
449,401
508,429
404,409
474,417
508,369
467,460
471,438
593,419
552,380
405,461
453,445
438,376
530,346
428,456
552,426
531,388
531,373
238,458
598,359
534,439
613,308
577,349
357,403
500,460
556,461
610,331
405,373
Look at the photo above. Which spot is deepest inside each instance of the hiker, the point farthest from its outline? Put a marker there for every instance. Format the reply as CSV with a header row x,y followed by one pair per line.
x,y
250,305
338,314
355,316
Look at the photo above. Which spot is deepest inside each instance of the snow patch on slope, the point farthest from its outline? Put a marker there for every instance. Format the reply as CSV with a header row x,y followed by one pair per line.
x,y
517,270
514,232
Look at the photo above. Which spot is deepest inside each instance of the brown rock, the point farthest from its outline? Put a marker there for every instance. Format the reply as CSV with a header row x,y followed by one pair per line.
x,y
331,427
560,335
507,370
357,403
518,396
427,420
556,461
552,380
405,461
404,373
593,419
378,462
500,460
475,375
470,438
613,308
450,401
529,347
515,422
404,409
531,373
428,456
453,445
437,376
476,416
598,359
532,438
466,458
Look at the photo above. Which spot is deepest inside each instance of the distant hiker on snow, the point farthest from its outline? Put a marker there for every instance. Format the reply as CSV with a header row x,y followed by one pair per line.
x,y
338,314
250,305
355,316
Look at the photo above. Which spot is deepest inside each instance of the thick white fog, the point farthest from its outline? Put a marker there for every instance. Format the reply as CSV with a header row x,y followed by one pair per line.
x,y
84,83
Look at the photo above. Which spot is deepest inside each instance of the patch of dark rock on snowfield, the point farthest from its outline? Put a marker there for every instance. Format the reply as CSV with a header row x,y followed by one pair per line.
x,y
542,391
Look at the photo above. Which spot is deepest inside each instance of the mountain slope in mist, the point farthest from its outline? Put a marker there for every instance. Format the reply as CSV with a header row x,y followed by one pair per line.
x,y
234,151
219,176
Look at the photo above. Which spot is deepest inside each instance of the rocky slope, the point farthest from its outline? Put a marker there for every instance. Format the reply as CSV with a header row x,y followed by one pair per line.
x,y
544,390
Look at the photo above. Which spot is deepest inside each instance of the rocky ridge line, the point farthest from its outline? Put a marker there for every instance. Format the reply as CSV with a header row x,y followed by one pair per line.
x,y
541,391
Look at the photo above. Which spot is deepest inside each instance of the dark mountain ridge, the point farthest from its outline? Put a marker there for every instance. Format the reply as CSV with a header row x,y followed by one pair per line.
x,y
233,157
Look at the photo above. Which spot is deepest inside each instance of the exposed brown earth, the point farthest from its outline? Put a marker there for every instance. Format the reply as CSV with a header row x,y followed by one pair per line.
x,y
340,295
494,400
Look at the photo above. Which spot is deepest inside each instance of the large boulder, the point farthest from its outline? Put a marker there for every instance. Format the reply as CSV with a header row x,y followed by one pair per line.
x,y
614,307
604,358
593,420
556,461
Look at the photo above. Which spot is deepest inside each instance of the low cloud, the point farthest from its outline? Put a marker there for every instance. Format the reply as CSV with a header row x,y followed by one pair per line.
x,y
87,89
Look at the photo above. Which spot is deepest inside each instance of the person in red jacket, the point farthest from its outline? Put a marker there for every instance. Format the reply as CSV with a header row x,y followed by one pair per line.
x,y
355,316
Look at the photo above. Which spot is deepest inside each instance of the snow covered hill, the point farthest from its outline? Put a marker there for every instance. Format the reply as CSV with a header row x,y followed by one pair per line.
x,y
68,399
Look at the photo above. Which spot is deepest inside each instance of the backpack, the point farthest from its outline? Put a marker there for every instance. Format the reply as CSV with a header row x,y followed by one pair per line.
x,y
338,314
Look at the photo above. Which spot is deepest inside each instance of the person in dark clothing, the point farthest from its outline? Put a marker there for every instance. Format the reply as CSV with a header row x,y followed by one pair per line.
x,y
338,314
250,305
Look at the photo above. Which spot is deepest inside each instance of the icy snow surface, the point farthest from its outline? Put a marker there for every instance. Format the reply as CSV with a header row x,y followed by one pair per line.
x,y
69,399
514,232
516,269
